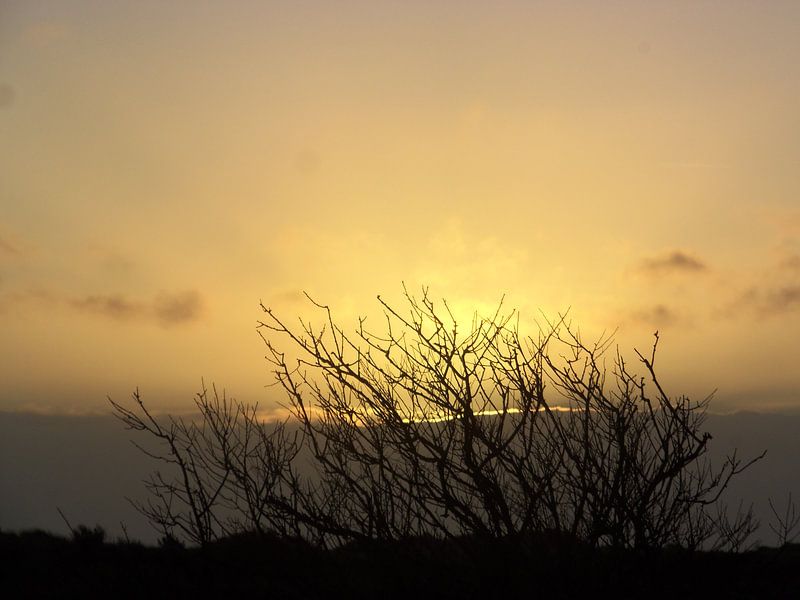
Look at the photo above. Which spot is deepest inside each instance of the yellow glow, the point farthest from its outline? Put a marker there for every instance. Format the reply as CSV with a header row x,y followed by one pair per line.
x,y
441,418
560,154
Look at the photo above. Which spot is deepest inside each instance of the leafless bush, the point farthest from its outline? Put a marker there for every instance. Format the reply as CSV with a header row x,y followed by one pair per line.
x,y
785,524
428,429
732,530
227,471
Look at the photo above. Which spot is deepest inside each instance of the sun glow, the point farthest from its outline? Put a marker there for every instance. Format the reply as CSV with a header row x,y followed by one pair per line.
x,y
444,417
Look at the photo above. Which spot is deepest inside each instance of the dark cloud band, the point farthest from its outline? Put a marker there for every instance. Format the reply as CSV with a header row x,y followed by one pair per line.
x,y
166,309
674,262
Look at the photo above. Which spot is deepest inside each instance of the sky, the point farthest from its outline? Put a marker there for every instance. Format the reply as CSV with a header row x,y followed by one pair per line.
x,y
165,167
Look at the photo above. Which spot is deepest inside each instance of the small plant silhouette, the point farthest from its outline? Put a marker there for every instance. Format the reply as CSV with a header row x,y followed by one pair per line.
x,y
786,523
86,537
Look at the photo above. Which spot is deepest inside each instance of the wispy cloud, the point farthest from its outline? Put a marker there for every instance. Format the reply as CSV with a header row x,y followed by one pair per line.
x,y
783,299
33,297
285,297
694,165
166,309
676,261
773,292
173,309
778,300
115,306
8,248
791,263
658,315
7,95
46,33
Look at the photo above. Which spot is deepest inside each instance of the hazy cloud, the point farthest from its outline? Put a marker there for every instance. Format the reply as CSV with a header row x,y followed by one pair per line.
x,y
111,260
694,165
674,262
658,315
183,307
776,292
32,297
165,309
786,221
307,162
115,306
46,33
285,297
8,248
7,95
782,299
791,263
775,301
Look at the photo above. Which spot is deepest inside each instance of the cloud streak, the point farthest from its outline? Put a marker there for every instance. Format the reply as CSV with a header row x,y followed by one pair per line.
x,y
783,299
7,95
166,309
175,309
8,248
658,316
114,306
791,263
677,261
775,294
776,301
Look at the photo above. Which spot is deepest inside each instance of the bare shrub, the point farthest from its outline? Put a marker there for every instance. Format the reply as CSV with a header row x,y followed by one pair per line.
x,y
428,429
785,524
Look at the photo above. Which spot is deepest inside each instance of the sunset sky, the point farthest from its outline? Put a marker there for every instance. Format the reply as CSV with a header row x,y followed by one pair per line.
x,y
165,166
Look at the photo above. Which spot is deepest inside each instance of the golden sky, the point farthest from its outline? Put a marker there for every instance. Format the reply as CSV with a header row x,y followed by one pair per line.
x,y
165,166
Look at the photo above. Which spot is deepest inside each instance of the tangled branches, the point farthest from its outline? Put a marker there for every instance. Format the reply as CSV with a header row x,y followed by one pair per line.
x,y
428,430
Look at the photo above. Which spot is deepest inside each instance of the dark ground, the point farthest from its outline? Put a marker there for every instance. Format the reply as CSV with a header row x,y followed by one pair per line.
x,y
41,565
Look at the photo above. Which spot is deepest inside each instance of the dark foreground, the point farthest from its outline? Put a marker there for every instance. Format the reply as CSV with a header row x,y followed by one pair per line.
x,y
41,565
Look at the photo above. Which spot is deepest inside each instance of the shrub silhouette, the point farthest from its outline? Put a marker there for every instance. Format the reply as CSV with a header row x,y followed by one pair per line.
x,y
426,429
86,537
